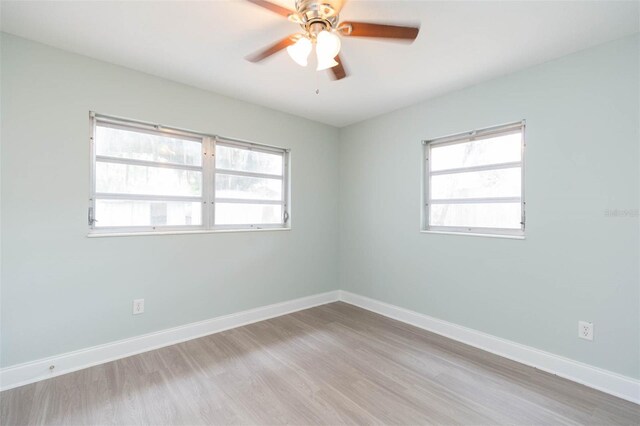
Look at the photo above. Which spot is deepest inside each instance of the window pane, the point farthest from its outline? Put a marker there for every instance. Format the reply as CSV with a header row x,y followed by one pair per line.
x,y
146,146
500,149
487,183
130,179
245,187
248,161
488,215
247,214
147,213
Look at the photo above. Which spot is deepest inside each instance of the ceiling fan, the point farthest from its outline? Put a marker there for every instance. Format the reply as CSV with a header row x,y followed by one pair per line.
x,y
321,26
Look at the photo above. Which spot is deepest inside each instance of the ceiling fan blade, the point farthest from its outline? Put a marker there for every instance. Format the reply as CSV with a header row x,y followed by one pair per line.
x,y
273,7
270,50
365,29
338,72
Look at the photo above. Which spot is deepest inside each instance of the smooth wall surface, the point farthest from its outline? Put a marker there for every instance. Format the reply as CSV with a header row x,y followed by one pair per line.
x,y
62,291
580,259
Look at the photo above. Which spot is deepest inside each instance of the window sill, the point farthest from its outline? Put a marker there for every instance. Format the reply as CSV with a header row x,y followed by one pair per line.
x,y
208,231
471,234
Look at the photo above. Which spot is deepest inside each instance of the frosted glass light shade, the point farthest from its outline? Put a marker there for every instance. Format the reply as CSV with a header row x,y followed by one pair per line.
x,y
327,48
300,50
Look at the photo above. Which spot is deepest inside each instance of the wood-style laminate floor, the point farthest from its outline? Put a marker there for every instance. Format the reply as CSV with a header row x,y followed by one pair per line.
x,y
334,364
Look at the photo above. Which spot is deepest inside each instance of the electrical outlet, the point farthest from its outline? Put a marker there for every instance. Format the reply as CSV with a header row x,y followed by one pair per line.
x,y
585,330
138,306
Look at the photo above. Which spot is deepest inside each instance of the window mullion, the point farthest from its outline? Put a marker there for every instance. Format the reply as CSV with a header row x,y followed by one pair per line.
x,y
205,182
285,199
212,179
428,183
207,176
92,183
522,201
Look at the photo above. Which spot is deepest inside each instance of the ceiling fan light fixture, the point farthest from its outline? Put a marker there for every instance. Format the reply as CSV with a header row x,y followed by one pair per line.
x,y
321,25
327,48
300,50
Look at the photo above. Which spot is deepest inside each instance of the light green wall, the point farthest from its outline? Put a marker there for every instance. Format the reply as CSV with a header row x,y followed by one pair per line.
x,y
356,207
576,263
63,291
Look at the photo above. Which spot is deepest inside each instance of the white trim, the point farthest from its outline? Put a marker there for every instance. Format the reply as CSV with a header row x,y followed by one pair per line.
x,y
248,174
209,181
208,174
426,183
187,232
146,197
146,163
471,234
252,146
603,380
478,133
476,231
239,227
34,371
141,126
248,201
481,168
487,200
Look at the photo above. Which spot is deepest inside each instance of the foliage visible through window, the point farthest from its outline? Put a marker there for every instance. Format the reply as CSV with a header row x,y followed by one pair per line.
x,y
150,179
473,182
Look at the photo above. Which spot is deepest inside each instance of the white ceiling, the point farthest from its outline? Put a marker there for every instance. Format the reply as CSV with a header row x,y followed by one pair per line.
x,y
203,43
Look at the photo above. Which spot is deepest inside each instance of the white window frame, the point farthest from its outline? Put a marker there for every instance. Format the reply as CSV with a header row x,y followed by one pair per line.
x,y
284,178
208,170
517,127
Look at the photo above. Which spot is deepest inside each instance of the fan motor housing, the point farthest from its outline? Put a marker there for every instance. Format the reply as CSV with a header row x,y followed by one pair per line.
x,y
314,12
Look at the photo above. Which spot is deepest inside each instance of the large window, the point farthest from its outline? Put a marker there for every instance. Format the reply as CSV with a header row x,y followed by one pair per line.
x,y
473,182
148,178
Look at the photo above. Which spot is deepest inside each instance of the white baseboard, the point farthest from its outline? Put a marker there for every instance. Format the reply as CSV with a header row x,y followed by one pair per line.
x,y
29,372
606,381
603,380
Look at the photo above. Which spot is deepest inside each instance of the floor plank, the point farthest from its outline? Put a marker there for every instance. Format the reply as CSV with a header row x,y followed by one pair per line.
x,y
334,364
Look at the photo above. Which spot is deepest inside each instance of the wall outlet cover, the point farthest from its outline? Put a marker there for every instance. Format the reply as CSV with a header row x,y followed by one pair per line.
x,y
138,306
585,330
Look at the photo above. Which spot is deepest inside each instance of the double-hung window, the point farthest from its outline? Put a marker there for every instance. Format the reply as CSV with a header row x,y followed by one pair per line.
x,y
474,182
149,178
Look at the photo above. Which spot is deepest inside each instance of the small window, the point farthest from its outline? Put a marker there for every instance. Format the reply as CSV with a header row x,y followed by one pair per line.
x,y
147,178
473,182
